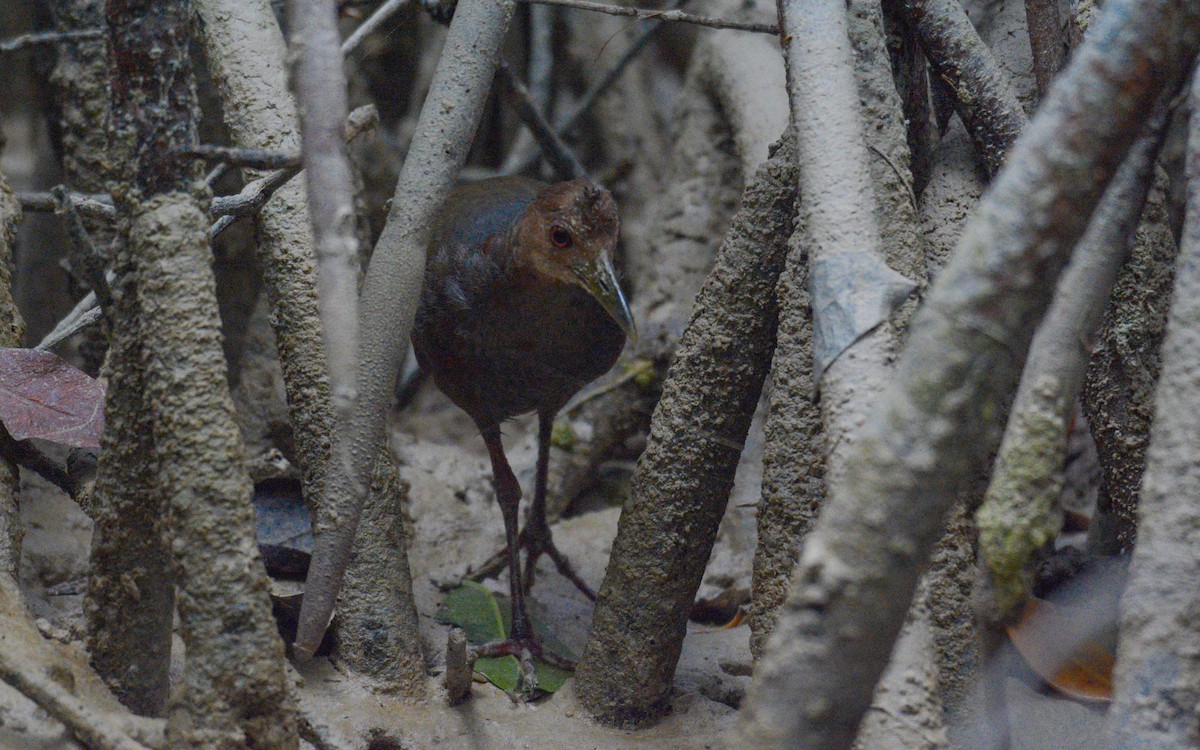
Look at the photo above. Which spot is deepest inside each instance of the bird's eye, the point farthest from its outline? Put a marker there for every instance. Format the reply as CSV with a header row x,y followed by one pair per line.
x,y
560,237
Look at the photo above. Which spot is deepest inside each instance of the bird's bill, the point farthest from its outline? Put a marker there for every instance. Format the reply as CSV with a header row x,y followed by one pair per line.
x,y
599,278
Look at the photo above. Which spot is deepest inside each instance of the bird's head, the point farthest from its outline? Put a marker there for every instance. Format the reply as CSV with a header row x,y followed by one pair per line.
x,y
568,233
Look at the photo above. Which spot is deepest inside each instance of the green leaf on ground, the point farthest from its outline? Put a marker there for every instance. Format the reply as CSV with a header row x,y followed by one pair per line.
x,y
484,618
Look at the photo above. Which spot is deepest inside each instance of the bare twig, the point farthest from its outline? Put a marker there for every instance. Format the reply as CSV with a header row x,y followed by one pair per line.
x,y
85,313
86,260
368,27
458,667
393,284
936,417
983,95
91,727
666,15
256,158
49,37
255,195
519,161
566,165
95,206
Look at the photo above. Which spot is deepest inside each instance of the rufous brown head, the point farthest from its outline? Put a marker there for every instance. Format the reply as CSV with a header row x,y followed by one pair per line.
x,y
569,233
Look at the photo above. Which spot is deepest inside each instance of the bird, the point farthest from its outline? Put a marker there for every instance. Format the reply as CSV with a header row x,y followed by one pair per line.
x,y
521,308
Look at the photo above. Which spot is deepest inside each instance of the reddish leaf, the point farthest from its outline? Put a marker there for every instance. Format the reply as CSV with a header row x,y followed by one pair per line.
x,y
42,396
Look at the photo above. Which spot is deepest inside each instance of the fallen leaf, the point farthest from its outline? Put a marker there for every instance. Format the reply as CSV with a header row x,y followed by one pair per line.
x,y
41,396
479,613
1074,663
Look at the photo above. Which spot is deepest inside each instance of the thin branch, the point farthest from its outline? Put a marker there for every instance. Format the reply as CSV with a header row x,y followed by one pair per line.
x,y
373,22
254,195
86,260
564,124
255,158
566,165
85,313
26,454
91,727
97,206
50,37
676,16
935,422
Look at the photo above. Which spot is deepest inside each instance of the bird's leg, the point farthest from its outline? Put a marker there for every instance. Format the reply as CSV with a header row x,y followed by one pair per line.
x,y
508,495
536,537
521,641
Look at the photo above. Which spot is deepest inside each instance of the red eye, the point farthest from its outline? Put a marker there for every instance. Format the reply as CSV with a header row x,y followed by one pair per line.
x,y
560,237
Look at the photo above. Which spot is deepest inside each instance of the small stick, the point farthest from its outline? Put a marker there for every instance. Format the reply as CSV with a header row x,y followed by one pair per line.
x,y
97,206
566,165
666,15
256,194
86,260
50,37
519,161
255,158
458,667
367,27
92,728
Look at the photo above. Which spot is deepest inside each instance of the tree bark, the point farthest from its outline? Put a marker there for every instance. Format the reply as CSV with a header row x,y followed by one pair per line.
x,y
937,419
669,523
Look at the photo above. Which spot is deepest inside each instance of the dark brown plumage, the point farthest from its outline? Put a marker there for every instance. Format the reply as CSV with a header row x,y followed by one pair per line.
x,y
521,309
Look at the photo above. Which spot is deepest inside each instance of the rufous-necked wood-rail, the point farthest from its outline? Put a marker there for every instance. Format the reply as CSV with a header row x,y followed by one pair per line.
x,y
520,309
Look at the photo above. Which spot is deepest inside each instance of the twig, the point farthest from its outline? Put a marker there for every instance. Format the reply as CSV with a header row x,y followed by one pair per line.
x,y
367,27
91,727
26,454
563,125
458,667
50,37
97,206
255,158
86,260
255,194
84,314
665,15
566,165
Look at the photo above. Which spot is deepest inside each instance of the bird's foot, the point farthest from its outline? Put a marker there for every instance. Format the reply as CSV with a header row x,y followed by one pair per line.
x,y
526,650
536,540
